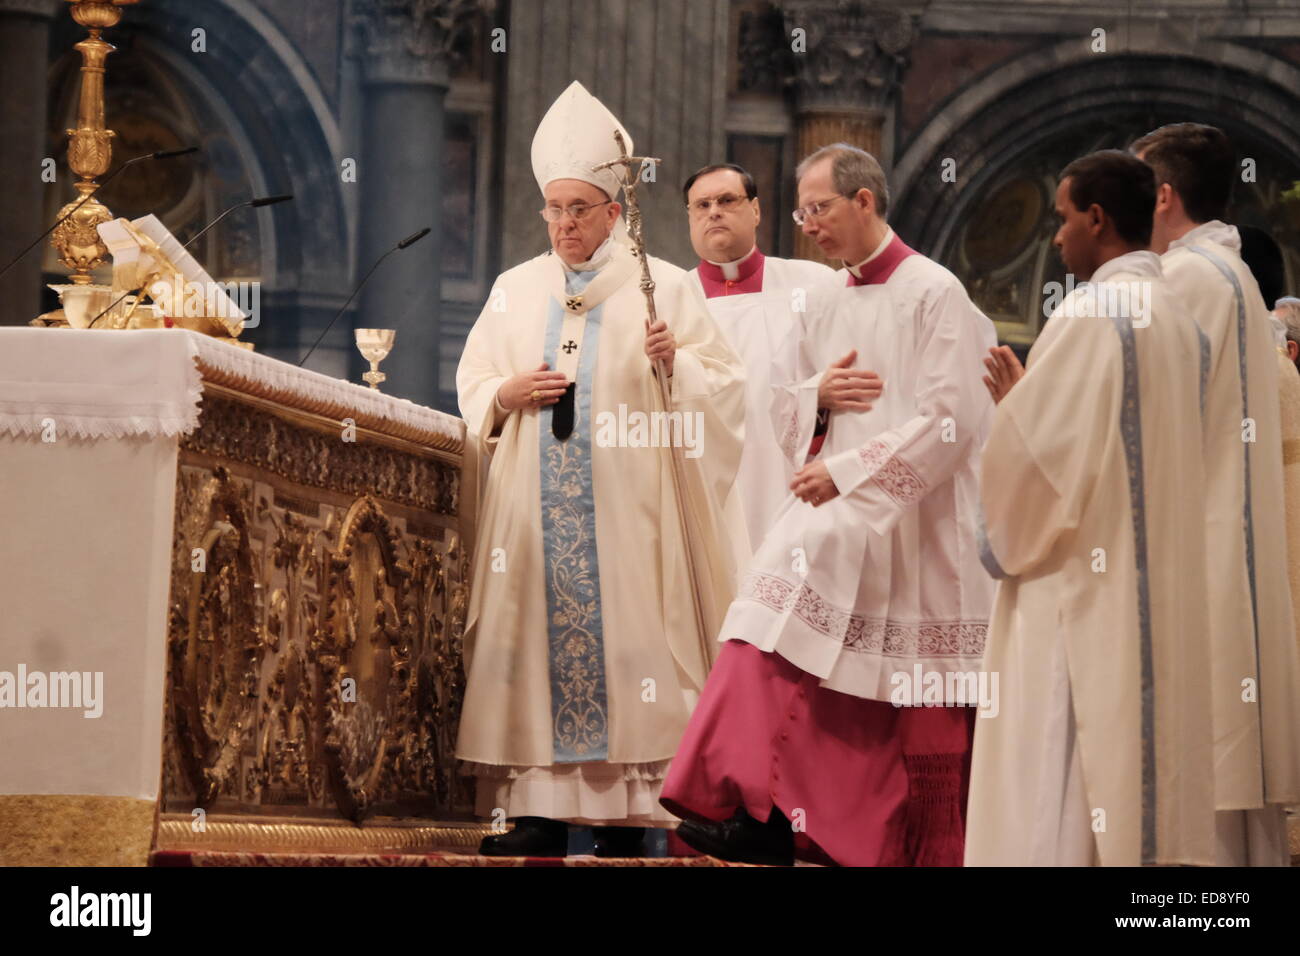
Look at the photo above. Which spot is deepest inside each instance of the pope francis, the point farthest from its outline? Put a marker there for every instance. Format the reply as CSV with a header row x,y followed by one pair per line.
x,y
603,563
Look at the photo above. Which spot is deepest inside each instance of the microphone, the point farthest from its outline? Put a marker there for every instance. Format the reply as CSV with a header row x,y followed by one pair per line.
x,y
172,153
270,200
412,240
163,154
255,203
408,241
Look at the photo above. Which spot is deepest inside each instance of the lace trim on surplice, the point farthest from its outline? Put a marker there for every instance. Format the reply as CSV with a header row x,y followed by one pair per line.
x,y
865,635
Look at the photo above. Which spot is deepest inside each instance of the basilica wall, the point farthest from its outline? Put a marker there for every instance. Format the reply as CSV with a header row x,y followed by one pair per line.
x,y
386,116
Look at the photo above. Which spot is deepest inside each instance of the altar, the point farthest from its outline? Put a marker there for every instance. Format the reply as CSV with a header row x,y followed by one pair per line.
x,y
233,594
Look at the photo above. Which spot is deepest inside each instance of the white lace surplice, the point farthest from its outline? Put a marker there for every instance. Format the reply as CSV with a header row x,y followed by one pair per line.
x,y
887,575
758,325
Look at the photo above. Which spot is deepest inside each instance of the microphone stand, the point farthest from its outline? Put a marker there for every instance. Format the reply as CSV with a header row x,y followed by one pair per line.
x,y
408,241
164,154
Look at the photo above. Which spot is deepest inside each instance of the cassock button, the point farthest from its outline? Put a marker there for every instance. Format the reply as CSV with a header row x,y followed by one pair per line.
x,y
784,735
792,716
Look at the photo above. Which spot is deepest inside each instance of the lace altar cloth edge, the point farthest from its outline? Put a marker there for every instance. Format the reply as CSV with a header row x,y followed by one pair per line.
x,y
148,383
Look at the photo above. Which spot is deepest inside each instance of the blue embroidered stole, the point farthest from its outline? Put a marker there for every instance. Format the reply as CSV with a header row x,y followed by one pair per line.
x,y
1247,512
1131,430
576,650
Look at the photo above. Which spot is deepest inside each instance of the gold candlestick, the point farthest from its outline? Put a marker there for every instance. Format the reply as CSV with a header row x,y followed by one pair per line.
x,y
90,148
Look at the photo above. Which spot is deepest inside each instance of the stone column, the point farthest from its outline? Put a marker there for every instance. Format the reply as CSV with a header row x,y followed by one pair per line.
x,y
659,65
847,77
24,76
404,47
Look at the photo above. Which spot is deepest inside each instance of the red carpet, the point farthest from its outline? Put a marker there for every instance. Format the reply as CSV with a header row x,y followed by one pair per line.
x,y
442,858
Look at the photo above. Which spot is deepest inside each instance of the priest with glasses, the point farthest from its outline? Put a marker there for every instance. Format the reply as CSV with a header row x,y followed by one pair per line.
x,y
603,563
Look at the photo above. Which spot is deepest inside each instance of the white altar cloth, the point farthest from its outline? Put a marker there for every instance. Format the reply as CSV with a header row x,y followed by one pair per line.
x,y
99,384
90,423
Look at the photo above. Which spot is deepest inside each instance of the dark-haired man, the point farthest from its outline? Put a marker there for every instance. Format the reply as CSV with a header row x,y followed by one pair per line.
x,y
1100,751
755,301
1255,687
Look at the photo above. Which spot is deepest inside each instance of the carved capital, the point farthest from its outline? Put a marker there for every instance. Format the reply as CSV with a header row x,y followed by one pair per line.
x,y
412,41
854,52
765,61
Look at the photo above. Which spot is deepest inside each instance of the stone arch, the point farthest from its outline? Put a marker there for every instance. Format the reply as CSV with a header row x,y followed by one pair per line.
x,y
1066,98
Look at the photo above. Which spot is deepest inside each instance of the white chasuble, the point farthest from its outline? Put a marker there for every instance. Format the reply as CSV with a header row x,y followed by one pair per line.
x,y
1100,751
884,578
583,653
756,310
1289,400
1256,678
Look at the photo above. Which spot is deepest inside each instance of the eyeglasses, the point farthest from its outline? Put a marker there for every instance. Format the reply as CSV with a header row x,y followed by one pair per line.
x,y
727,202
578,210
814,211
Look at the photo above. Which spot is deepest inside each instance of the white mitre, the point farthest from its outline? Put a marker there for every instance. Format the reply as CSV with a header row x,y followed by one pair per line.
x,y
575,135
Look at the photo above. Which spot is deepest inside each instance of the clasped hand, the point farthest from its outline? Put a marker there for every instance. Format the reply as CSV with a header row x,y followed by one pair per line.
x,y
847,389
532,389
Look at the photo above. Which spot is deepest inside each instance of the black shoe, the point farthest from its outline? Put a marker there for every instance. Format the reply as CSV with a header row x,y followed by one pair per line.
x,y
742,839
532,836
619,842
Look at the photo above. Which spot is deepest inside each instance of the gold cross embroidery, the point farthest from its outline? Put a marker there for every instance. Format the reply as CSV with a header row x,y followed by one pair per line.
x,y
573,303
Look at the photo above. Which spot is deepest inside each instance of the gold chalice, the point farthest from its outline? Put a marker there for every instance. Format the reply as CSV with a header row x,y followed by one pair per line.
x,y
374,346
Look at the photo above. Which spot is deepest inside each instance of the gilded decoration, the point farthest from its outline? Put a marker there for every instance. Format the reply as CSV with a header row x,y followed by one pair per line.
x,y
322,459
90,144
318,599
215,643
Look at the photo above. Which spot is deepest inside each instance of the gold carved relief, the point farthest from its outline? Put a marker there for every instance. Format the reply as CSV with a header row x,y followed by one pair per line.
x,y
364,656
316,656
216,644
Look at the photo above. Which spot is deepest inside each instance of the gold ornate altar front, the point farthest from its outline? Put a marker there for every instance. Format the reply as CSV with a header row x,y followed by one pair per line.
x,y
319,587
